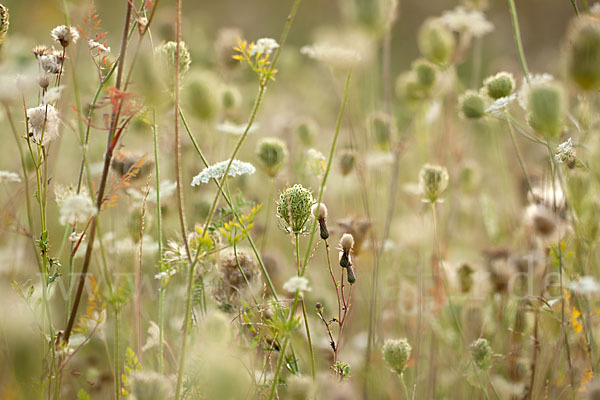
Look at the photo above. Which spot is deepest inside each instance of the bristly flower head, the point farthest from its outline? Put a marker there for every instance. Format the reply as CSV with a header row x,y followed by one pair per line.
x,y
78,207
65,35
264,46
216,171
472,105
293,208
396,353
584,52
272,154
433,181
500,85
547,109
168,52
481,353
436,42
297,283
535,79
43,123
319,212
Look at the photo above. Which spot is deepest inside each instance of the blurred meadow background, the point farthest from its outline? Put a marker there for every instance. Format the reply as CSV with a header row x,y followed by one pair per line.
x,y
299,199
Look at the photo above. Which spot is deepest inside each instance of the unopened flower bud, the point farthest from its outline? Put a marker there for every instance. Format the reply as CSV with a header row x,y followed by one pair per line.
x,y
272,154
319,211
351,275
436,42
293,208
472,105
433,181
426,73
347,161
481,353
346,244
547,109
584,53
396,353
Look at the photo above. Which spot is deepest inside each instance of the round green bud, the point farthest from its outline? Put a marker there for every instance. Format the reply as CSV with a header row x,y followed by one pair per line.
x,y
347,160
433,181
436,42
306,131
200,95
583,60
381,127
481,353
500,85
426,73
472,105
396,353
230,98
351,275
547,110
272,154
293,208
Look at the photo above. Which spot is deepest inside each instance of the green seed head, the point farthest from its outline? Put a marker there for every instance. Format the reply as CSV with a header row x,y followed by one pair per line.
x,y
433,181
436,42
168,52
481,353
306,132
293,208
381,127
472,105
272,154
347,161
426,73
200,95
500,85
230,98
547,110
583,60
397,352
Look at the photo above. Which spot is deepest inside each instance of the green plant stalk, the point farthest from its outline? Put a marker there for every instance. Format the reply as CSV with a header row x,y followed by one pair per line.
x,y
314,225
278,368
574,4
305,317
406,395
117,360
517,35
519,156
186,323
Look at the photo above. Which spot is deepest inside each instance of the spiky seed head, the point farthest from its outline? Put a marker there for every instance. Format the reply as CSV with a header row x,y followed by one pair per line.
x,y
319,211
347,242
4,22
396,353
547,110
583,60
347,160
382,128
500,85
472,105
426,73
481,353
168,52
293,208
436,42
200,95
433,181
272,154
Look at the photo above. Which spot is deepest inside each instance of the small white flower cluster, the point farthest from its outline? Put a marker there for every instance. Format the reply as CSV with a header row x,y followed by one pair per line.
x,y
565,152
217,171
43,123
297,283
501,103
78,207
94,45
586,285
469,22
65,35
264,46
316,161
332,55
8,176
537,79
165,274
235,129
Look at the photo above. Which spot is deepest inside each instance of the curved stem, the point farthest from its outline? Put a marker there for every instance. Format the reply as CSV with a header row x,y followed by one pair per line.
x,y
310,346
517,35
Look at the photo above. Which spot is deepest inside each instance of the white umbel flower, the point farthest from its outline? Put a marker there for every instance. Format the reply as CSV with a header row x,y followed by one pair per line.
x,y
264,46
8,176
217,171
78,207
565,152
65,35
43,123
470,22
332,55
297,283
235,129
586,285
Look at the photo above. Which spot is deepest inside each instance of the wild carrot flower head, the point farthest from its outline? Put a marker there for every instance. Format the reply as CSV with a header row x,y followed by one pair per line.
x,y
332,55
293,208
565,153
43,123
297,283
65,35
78,207
168,52
217,171
8,176
272,154
396,353
264,46
433,181
586,285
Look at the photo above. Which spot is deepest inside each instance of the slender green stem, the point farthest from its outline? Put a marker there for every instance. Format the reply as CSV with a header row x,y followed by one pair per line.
x,y
519,156
574,4
517,35
186,324
406,395
117,360
304,316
